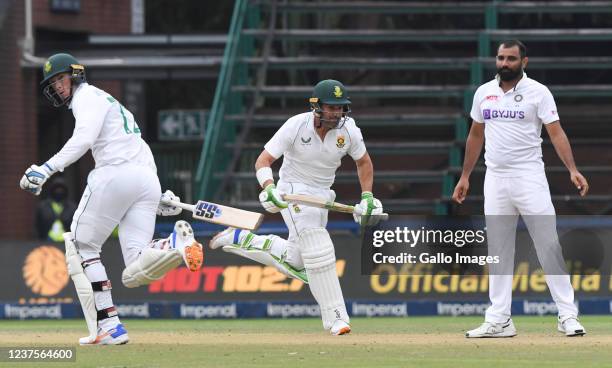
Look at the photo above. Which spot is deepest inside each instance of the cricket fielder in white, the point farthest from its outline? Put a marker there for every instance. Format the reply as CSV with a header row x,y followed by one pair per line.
x,y
508,113
123,190
313,143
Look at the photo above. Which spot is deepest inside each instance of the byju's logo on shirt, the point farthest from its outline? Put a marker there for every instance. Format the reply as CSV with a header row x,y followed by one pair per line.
x,y
503,114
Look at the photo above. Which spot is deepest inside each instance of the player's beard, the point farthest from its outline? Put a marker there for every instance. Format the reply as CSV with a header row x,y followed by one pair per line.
x,y
507,74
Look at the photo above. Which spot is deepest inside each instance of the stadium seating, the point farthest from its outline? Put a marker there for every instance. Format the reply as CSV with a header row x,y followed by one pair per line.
x,y
411,80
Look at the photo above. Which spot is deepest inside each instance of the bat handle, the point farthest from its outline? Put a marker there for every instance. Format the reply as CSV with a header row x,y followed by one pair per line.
x,y
185,206
383,216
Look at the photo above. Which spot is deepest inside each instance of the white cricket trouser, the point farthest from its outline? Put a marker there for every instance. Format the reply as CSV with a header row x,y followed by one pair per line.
x,y
528,196
299,218
126,195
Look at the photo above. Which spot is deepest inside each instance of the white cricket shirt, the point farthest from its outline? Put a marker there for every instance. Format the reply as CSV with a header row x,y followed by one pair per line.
x,y
307,158
103,125
513,124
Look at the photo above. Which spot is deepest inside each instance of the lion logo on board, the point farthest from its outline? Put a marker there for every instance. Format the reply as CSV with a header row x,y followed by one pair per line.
x,y
337,92
44,270
47,67
340,142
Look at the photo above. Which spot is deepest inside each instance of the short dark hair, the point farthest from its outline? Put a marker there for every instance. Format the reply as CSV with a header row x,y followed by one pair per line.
x,y
511,43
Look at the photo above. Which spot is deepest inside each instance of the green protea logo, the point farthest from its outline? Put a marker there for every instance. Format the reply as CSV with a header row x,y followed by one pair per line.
x,y
47,67
337,92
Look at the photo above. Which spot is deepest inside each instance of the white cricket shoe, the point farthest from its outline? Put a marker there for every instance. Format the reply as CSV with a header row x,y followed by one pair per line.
x,y
227,237
489,329
340,328
115,336
182,239
570,326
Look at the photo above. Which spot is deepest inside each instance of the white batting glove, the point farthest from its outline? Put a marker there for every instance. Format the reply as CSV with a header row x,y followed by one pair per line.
x,y
34,178
365,211
165,208
271,199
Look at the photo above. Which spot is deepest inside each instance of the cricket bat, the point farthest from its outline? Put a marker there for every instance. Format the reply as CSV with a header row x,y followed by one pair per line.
x,y
221,215
313,201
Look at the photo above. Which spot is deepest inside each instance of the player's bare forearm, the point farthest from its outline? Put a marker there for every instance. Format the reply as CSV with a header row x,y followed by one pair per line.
x,y
562,146
265,159
564,150
473,147
365,172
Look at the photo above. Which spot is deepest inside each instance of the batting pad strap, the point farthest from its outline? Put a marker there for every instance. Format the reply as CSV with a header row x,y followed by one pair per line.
x,y
88,262
101,285
264,174
321,258
107,313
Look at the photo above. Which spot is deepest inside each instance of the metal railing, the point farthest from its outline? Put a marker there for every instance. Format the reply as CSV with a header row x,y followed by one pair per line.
x,y
218,130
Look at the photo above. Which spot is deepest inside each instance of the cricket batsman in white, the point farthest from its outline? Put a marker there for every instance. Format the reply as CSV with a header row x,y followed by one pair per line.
x,y
123,190
508,113
312,143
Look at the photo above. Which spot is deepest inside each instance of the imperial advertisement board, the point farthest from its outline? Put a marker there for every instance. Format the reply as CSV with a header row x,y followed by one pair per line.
x,y
35,273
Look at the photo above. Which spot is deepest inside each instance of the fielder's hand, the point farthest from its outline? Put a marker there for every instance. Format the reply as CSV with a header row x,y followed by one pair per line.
x,y
271,199
461,190
580,182
165,208
34,178
366,210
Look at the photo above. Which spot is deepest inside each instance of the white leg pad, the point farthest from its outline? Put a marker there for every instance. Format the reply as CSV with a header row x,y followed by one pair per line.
x,y
151,265
267,259
82,286
320,263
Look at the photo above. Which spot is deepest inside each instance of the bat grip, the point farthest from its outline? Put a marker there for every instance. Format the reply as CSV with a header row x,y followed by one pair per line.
x,y
185,206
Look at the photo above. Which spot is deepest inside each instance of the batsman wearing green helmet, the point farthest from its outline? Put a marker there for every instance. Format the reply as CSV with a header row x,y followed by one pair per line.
x,y
123,190
312,143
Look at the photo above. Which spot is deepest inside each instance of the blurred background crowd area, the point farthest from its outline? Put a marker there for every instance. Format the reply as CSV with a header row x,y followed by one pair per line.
x,y
210,82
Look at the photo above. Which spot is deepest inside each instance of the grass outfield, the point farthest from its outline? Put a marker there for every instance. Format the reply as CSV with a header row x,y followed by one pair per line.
x,y
388,342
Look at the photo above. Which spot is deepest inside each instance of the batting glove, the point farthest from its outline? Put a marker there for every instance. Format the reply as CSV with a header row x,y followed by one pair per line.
x,y
366,211
165,208
271,199
34,178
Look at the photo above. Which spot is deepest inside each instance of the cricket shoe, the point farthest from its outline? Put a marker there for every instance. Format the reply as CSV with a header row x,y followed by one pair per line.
x,y
182,239
340,328
570,326
115,336
256,247
489,329
226,237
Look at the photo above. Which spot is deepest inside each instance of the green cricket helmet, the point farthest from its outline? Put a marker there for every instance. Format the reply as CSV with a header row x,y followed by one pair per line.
x,y
56,64
330,92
